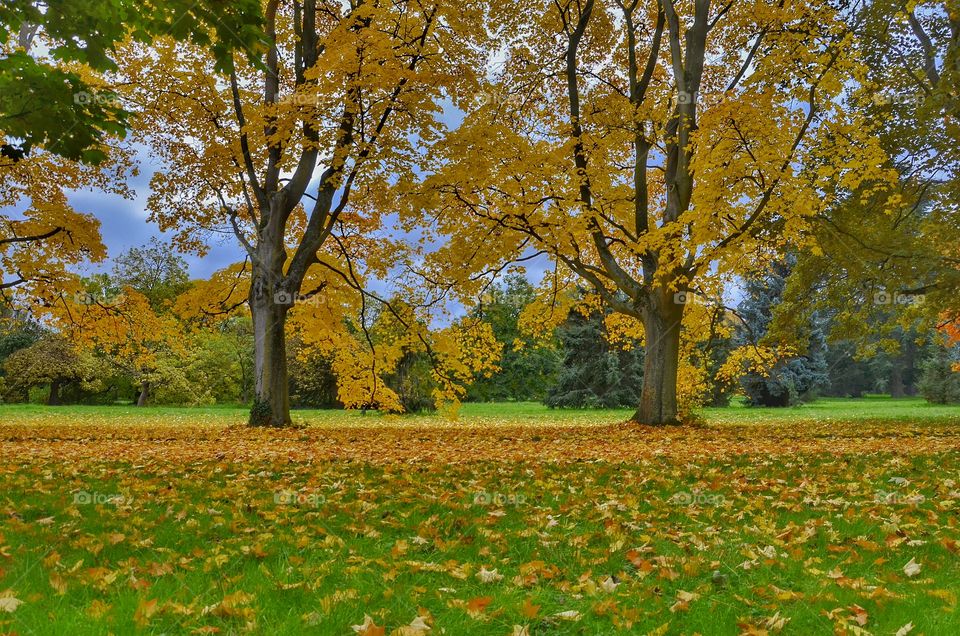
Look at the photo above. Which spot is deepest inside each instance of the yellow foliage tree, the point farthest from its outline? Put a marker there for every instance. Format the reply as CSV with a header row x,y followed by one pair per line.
x,y
122,326
294,155
41,234
655,149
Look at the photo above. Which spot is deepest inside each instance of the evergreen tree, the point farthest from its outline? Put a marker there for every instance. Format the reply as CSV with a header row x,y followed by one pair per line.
x,y
595,374
792,379
527,367
850,376
940,380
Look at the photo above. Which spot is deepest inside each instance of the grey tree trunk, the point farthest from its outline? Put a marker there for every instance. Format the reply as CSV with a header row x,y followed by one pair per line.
x,y
271,395
144,396
661,324
897,389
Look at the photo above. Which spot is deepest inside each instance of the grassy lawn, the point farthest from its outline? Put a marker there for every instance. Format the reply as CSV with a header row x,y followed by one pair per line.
x,y
836,517
485,414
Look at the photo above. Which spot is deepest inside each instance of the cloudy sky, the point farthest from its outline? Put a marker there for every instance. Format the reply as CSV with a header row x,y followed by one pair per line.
x,y
124,223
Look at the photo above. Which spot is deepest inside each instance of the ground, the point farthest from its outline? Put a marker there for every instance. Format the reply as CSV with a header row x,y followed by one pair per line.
x,y
838,517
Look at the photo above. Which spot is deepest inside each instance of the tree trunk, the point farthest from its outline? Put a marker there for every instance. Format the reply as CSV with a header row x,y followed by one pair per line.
x,y
54,398
661,324
910,364
271,397
144,393
897,390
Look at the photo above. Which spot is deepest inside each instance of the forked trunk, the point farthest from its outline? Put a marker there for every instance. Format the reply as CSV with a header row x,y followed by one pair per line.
x,y
661,324
271,398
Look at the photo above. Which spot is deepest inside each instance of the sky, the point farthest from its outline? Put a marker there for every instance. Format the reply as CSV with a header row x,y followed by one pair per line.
x,y
125,224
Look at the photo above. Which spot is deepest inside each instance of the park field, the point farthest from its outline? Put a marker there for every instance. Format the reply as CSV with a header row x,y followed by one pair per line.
x,y
835,517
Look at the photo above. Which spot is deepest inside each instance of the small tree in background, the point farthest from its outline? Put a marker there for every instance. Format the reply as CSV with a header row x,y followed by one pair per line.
x,y
790,379
528,366
155,270
595,373
312,381
54,361
940,378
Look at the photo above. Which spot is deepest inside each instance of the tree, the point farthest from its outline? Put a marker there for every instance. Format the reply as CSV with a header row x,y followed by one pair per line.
x,y
53,361
42,236
391,359
292,153
940,377
713,351
155,270
312,381
887,262
654,150
528,366
123,327
852,374
18,330
45,103
595,373
412,380
790,378
129,316
356,340
57,119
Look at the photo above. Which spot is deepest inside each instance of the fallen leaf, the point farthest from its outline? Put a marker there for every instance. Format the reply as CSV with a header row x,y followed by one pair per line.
x,y
368,627
912,568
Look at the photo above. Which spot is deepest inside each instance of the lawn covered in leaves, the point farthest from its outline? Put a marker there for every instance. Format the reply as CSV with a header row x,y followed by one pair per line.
x,y
429,527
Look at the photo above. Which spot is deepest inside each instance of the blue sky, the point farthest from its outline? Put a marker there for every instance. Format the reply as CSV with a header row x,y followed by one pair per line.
x,y
125,224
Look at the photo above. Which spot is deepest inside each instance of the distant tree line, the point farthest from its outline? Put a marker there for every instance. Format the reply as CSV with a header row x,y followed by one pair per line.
x,y
580,365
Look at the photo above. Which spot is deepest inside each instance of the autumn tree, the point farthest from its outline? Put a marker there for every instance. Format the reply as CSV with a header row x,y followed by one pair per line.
x,y
887,263
54,361
655,149
124,327
44,136
59,121
294,154
128,315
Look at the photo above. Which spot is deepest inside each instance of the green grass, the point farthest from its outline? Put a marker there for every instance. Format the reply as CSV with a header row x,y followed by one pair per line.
x,y
818,538
874,408
882,408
